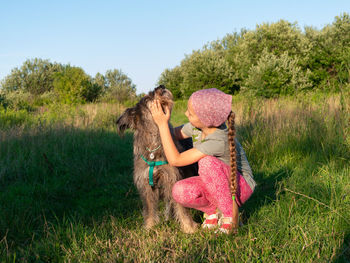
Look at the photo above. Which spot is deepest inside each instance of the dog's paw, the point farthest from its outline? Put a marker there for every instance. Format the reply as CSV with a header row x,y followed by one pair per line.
x,y
150,222
190,228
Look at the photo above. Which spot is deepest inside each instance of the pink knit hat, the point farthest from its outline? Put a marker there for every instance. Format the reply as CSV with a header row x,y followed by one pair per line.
x,y
211,106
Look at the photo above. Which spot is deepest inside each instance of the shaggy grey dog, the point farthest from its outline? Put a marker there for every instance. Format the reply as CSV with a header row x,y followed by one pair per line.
x,y
147,151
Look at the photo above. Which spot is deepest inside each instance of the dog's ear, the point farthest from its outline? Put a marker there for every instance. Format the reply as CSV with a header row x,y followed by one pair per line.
x,y
126,121
165,96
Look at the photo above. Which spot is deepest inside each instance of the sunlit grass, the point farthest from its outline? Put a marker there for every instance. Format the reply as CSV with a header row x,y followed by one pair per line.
x,y
66,191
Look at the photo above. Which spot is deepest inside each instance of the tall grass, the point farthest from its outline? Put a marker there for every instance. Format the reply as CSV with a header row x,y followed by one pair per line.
x,y
66,191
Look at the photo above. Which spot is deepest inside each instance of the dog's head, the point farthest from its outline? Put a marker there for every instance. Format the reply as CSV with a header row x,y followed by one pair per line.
x,y
140,116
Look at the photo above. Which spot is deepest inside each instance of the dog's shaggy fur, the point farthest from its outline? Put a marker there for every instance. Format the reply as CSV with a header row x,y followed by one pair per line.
x,y
146,138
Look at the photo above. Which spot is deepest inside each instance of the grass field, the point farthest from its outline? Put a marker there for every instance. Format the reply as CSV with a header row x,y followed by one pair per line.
x,y
66,191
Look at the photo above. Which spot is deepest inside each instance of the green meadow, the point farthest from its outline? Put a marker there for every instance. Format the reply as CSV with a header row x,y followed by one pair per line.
x,y
66,190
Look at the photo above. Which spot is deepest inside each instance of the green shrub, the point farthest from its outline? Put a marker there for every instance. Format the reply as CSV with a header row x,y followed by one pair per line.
x,y
13,118
206,69
4,103
172,79
46,98
277,38
320,57
20,100
117,86
34,76
276,75
73,85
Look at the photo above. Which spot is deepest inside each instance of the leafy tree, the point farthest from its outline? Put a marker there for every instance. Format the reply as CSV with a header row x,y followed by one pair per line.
x,y
329,56
276,75
276,38
206,69
4,103
90,91
100,81
273,59
118,86
172,79
74,86
35,76
342,25
19,100
40,82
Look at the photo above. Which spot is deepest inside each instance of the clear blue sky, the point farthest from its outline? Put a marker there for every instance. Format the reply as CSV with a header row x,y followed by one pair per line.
x,y
142,38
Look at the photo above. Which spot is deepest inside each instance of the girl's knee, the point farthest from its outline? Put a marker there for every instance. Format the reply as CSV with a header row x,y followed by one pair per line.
x,y
178,192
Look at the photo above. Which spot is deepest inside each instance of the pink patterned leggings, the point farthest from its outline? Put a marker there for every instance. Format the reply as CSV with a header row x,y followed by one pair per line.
x,y
210,190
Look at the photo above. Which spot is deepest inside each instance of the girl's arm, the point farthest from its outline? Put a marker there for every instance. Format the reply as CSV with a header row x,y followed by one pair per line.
x,y
172,154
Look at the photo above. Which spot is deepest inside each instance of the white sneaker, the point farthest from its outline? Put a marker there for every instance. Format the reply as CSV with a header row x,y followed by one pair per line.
x,y
226,226
211,221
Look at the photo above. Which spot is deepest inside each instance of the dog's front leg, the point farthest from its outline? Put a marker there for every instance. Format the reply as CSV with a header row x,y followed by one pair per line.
x,y
150,199
183,216
181,213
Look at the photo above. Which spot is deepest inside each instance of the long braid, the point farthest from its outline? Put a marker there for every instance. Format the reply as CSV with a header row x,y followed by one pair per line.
x,y
233,164
232,147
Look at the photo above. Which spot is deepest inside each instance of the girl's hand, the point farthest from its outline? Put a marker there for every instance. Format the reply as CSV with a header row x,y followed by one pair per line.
x,y
159,117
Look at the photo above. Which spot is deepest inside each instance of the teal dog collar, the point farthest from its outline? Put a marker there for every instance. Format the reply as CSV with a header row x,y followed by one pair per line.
x,y
151,167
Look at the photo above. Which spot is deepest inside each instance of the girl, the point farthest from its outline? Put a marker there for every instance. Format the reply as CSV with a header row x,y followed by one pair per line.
x,y
225,179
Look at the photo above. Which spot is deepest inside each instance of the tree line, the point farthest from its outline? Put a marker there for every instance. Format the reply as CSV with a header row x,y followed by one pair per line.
x,y
272,60
39,81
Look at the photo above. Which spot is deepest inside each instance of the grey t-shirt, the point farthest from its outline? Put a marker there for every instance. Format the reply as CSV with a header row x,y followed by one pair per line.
x,y
216,144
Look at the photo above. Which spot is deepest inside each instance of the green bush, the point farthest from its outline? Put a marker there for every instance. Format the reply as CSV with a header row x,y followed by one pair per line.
x,y
201,70
34,76
43,82
20,100
328,56
46,98
318,59
277,38
10,118
276,75
73,85
4,103
117,86
206,69
172,79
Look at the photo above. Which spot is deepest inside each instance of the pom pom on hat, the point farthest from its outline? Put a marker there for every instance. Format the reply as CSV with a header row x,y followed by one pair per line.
x,y
211,106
